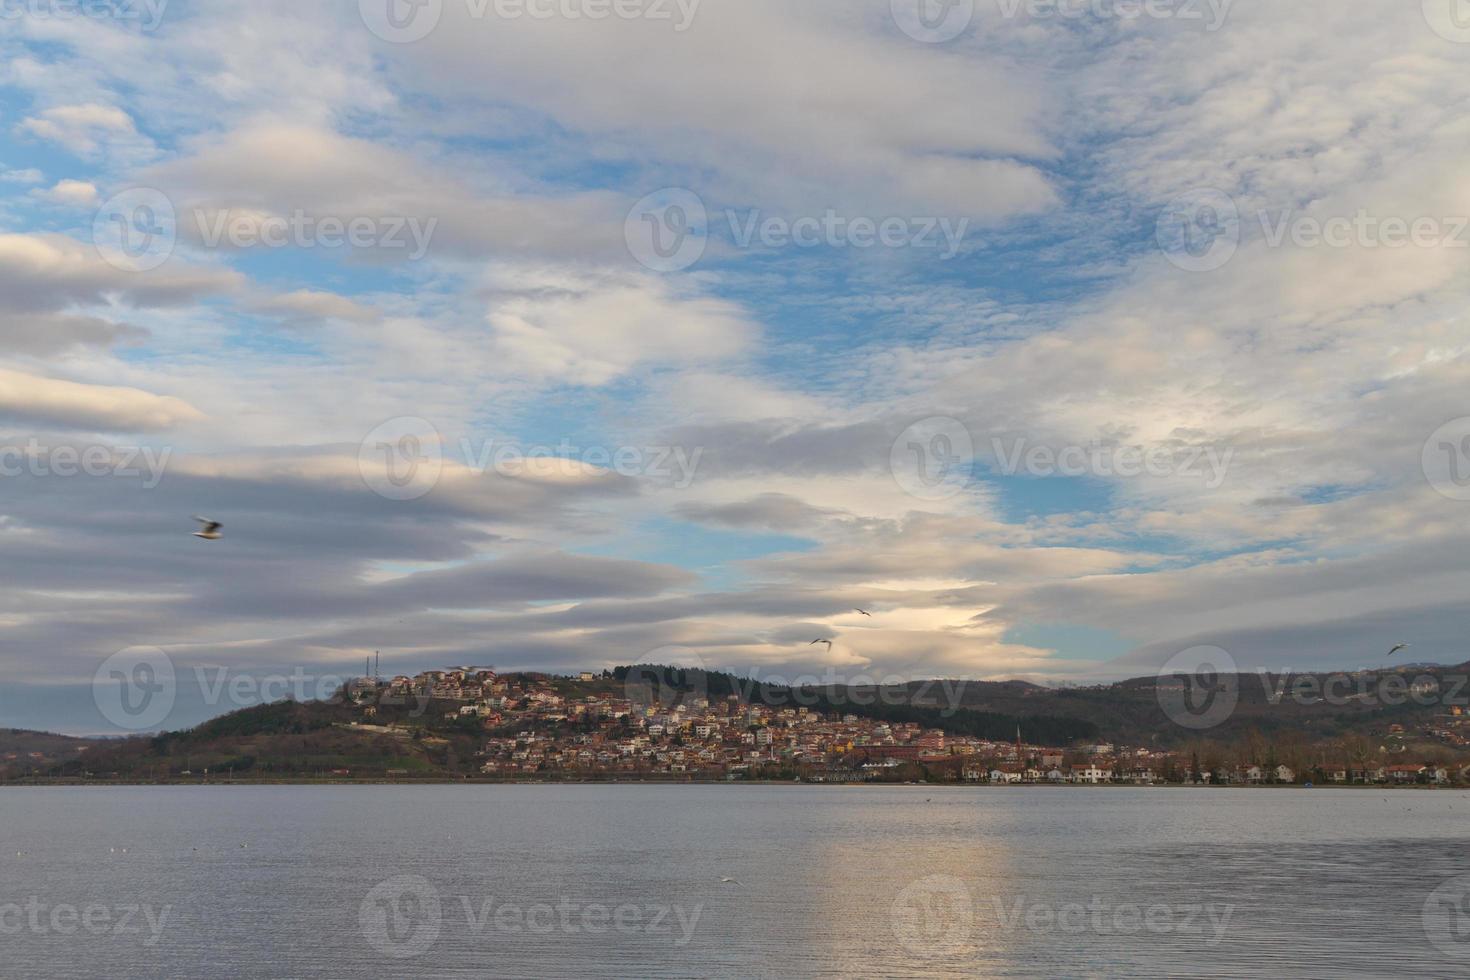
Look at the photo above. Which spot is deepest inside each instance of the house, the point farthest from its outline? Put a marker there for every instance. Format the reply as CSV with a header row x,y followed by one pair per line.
x,y
1404,774
1251,774
1283,774
1088,774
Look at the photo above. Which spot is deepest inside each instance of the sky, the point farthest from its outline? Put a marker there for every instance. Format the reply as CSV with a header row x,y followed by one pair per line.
x,y
1060,336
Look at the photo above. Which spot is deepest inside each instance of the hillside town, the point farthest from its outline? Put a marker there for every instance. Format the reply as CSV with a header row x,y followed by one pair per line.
x,y
541,726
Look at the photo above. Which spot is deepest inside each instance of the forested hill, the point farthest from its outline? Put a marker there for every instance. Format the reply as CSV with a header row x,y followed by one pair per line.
x,y
930,704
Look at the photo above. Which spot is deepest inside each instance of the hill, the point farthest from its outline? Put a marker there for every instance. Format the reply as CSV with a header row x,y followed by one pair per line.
x,y
24,751
593,725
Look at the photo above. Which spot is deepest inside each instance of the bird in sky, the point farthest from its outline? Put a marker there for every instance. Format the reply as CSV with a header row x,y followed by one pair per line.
x,y
730,881
208,530
828,642
864,612
1397,647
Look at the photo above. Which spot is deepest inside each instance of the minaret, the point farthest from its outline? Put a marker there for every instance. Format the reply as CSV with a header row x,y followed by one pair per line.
x,y
1020,761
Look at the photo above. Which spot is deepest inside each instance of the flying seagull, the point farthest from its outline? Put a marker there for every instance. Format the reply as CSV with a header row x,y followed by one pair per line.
x,y
1397,648
730,881
208,530
864,612
828,642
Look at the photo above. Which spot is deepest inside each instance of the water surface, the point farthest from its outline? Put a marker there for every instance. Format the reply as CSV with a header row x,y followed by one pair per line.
x,y
584,881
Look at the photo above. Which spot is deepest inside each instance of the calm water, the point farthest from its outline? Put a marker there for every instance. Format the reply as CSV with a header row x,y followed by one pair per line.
x,y
582,881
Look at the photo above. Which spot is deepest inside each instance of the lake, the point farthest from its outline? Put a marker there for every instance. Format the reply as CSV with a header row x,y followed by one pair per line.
x,y
624,880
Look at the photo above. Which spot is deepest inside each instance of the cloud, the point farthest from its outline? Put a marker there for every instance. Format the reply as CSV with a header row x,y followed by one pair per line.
x,y
270,168
51,400
46,272
79,128
70,193
838,105
768,511
313,304
589,328
528,577
41,334
57,294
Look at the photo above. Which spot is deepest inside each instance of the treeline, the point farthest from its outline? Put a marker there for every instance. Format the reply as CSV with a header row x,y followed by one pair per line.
x,y
891,705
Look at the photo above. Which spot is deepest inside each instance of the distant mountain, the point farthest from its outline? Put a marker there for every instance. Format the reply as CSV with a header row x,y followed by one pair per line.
x,y
1302,706
1307,705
